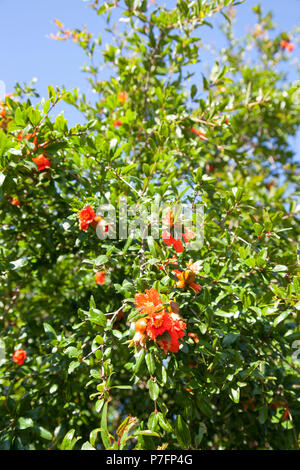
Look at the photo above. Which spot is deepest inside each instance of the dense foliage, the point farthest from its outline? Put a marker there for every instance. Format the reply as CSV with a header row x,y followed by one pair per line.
x,y
213,364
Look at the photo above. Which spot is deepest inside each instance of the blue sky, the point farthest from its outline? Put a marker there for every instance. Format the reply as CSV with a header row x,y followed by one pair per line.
x,y
26,50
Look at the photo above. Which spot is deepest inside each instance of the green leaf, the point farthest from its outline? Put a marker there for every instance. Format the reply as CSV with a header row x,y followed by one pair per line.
x,y
182,432
139,360
44,433
164,424
69,440
150,363
153,389
235,395
263,414
102,259
73,365
87,446
49,330
152,421
98,317
147,432
2,178
104,433
24,423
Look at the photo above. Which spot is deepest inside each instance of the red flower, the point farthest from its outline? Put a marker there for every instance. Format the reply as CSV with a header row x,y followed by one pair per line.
x,y
167,239
286,414
148,303
15,201
194,337
197,288
175,331
209,168
100,277
188,235
186,279
2,112
198,133
42,162
176,243
19,356
158,324
173,260
117,123
289,46
165,327
86,217
178,246
168,219
122,96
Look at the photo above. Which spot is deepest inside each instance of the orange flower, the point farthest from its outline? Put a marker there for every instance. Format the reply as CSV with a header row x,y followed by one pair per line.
x,y
289,46
117,123
2,113
186,279
100,277
175,331
165,327
169,240
158,324
178,246
42,162
19,356
194,337
28,137
15,201
138,340
173,260
140,336
122,96
196,287
198,133
168,219
99,222
86,217
148,303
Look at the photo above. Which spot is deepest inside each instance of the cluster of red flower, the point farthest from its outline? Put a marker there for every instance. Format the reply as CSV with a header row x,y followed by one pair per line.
x,y
162,325
41,160
87,217
167,238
